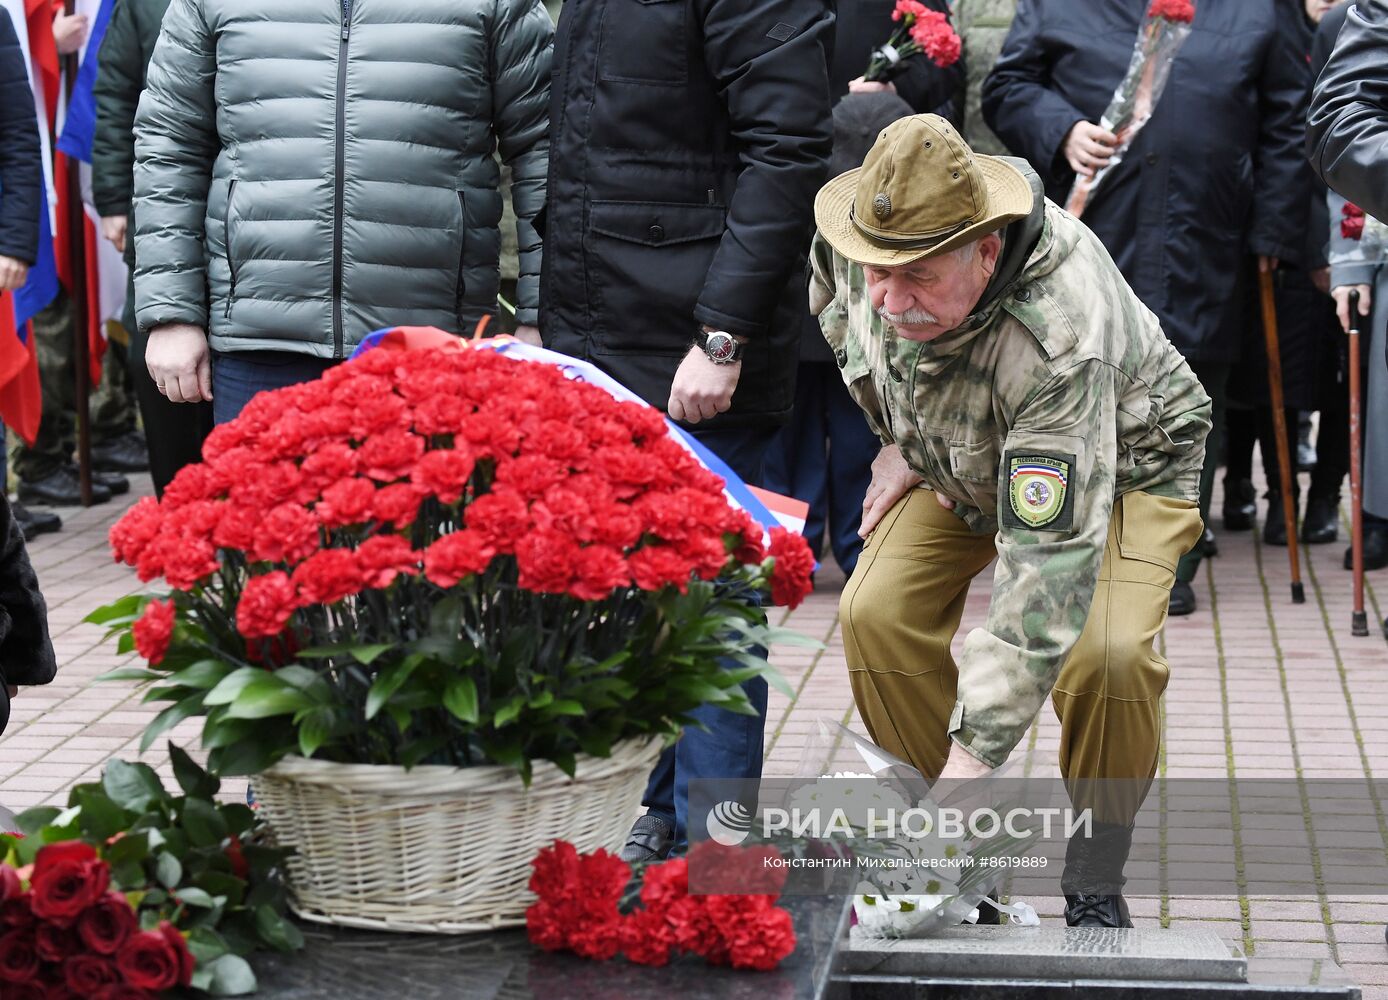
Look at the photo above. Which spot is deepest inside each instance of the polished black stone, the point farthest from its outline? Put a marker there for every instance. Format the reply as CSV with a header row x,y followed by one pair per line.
x,y
340,964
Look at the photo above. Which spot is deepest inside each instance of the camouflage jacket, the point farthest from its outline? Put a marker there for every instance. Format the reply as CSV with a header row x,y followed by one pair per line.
x,y
1059,393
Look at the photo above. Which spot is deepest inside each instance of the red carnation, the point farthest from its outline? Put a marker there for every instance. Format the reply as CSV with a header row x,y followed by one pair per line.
x,y
646,938
600,570
442,413
135,530
397,504
1172,10
655,567
790,576
444,473
106,924
1352,225
546,561
288,533
68,877
329,463
328,576
530,475
156,960
87,975
266,605
348,501
153,630
384,557
390,456
457,555
501,517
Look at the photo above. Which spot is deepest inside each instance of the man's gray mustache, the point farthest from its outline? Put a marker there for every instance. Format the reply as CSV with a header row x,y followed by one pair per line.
x,y
912,317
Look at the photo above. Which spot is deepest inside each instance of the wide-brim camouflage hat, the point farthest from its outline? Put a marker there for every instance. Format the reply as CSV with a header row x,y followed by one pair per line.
x,y
921,191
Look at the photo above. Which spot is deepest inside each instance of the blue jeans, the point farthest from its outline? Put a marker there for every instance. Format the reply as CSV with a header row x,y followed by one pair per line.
x,y
824,457
238,375
732,745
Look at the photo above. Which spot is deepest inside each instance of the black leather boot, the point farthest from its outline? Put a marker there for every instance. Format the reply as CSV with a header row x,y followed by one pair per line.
x,y
1275,527
1322,522
1375,549
1093,877
1240,505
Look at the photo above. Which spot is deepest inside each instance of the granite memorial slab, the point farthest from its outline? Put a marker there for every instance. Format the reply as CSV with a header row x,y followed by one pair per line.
x,y
343,964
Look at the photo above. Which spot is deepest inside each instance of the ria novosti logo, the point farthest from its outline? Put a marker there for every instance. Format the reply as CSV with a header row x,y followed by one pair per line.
x,y
729,823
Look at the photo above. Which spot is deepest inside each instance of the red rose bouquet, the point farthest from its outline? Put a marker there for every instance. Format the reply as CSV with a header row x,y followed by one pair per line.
x,y
452,557
587,904
131,891
1164,30
921,31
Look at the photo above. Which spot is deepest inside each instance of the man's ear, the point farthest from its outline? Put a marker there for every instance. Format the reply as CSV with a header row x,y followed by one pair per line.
x,y
988,249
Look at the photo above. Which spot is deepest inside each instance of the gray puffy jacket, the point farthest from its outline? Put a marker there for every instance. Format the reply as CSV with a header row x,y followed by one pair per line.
x,y
310,170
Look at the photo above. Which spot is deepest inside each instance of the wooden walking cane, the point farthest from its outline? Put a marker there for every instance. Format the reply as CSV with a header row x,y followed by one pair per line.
x,y
1359,623
77,295
1279,424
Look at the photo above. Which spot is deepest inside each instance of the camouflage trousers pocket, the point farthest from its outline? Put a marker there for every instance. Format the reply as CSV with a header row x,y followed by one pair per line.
x,y
1156,530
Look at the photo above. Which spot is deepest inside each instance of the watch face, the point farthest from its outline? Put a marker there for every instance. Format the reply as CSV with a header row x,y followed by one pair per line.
x,y
720,347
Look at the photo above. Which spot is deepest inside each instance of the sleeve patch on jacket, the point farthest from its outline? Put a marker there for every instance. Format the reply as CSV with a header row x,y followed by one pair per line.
x,y
782,31
1038,492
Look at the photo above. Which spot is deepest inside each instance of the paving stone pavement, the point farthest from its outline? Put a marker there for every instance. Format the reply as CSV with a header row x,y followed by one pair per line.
x,y
1259,688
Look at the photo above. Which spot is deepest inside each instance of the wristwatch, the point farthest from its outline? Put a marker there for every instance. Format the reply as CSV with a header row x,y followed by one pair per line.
x,y
720,346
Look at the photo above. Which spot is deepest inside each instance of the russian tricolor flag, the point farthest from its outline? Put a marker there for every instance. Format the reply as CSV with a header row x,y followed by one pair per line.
x,y
20,401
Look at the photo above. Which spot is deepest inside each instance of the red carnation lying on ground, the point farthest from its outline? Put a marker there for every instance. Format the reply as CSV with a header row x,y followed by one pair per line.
x,y
432,464
1172,10
578,910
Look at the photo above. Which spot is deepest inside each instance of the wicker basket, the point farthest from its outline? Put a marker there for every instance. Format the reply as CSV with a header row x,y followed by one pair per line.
x,y
439,849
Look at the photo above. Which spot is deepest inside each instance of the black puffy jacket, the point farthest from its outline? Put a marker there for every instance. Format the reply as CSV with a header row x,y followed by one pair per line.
x,y
21,166
688,139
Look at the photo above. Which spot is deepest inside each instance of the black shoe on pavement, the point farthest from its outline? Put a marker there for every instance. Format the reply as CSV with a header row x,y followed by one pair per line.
x,y
1182,600
127,453
1240,505
1275,527
1321,525
59,489
1084,910
1375,549
35,522
113,481
650,839
1209,547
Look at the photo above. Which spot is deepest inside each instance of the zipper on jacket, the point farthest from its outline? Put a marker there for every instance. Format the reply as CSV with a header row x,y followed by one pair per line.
x,y
231,261
339,181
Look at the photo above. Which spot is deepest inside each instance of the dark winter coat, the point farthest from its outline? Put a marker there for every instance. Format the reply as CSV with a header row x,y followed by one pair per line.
x,y
1210,180
1348,140
862,26
124,58
21,164
688,140
26,652
310,170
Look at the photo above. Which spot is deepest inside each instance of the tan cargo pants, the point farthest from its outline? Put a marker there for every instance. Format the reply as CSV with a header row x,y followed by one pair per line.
x,y
902,608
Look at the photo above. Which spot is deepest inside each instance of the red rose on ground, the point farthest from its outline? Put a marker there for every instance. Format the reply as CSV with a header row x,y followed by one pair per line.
x,y
790,577
328,576
106,924
10,886
266,605
457,555
87,975
68,877
19,959
55,943
153,630
155,960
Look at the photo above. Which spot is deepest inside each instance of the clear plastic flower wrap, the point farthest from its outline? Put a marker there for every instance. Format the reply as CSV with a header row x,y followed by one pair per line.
x,y
1164,30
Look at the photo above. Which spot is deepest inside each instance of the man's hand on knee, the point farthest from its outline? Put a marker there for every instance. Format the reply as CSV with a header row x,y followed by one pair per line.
x,y
891,478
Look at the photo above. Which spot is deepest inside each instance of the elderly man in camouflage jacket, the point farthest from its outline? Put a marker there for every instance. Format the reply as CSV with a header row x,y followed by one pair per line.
x,y
1029,408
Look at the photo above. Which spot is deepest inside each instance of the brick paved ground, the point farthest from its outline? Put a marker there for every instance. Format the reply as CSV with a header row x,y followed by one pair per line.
x,y
1259,688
